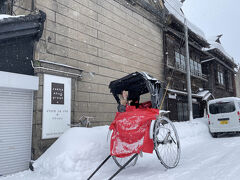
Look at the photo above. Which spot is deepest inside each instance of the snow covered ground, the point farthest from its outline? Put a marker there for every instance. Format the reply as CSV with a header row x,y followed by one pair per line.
x,y
80,150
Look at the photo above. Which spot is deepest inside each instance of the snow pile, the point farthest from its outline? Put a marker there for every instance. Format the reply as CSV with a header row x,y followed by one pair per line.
x,y
77,153
4,16
81,146
73,151
187,131
174,8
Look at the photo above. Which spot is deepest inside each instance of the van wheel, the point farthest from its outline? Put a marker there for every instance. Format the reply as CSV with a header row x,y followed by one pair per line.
x,y
214,135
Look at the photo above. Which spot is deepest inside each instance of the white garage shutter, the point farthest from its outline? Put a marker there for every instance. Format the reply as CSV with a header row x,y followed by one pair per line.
x,y
16,107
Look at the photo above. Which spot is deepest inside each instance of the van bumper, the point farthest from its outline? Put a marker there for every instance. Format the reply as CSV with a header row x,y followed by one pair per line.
x,y
216,130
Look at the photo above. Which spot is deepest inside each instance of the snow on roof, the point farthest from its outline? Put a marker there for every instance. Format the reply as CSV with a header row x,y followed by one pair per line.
x,y
148,76
174,8
216,45
203,93
5,16
226,99
183,92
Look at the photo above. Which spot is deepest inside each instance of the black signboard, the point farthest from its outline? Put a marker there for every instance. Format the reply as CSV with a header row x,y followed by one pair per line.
x,y
57,93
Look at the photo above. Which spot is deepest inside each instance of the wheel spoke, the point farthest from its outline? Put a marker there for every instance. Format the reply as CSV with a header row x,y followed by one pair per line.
x,y
173,140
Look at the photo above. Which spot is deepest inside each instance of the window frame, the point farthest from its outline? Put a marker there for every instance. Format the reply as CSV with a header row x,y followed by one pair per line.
x,y
183,62
220,78
177,59
230,80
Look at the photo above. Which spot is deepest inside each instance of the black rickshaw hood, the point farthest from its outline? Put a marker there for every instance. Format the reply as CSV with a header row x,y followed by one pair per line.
x,y
136,84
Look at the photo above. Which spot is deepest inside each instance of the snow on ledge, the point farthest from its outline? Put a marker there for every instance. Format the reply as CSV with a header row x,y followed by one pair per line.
x,y
18,81
5,16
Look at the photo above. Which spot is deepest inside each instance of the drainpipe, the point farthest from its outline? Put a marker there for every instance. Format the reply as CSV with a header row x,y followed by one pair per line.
x,y
33,6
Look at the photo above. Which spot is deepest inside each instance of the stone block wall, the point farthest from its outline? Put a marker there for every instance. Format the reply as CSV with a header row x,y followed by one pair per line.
x,y
104,39
22,7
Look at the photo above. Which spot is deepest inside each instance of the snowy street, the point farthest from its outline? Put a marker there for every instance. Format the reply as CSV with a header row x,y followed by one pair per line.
x,y
80,150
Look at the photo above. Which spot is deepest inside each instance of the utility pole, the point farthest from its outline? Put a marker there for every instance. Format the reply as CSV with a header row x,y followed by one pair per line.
x,y
189,90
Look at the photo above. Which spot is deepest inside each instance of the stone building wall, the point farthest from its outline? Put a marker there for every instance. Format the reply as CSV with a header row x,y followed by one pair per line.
x,y
104,39
22,7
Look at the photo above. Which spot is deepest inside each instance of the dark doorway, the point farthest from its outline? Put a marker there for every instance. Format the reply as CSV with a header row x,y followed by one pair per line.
x,y
182,110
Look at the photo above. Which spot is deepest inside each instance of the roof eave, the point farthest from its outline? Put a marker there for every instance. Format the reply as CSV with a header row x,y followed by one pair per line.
x,y
200,40
30,25
220,53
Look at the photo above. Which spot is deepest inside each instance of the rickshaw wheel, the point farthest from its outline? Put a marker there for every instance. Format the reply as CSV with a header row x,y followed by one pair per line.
x,y
121,161
166,142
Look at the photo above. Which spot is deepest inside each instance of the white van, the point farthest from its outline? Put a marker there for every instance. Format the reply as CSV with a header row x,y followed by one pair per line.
x,y
224,115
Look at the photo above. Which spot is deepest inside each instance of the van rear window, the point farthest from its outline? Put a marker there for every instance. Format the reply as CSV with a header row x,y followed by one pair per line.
x,y
222,107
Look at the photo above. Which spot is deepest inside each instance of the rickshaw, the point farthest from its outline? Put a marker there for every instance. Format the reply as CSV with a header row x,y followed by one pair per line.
x,y
144,126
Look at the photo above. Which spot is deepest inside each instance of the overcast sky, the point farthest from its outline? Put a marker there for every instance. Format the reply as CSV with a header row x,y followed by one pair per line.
x,y
216,17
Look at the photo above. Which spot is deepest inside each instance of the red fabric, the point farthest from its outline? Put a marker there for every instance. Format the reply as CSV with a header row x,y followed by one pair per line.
x,y
131,132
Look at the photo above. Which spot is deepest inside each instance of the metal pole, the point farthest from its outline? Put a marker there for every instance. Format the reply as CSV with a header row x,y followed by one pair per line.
x,y
133,157
98,167
189,90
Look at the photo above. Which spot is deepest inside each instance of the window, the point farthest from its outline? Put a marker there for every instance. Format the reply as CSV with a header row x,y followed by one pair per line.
x,y
220,78
199,69
222,107
230,82
180,61
191,66
5,7
2,7
195,67
183,64
177,59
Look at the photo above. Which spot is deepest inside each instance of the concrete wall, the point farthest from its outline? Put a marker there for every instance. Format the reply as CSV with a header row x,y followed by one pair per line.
x,y
104,39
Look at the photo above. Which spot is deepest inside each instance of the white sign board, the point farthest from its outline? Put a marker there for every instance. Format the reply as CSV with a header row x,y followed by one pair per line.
x,y
172,96
56,106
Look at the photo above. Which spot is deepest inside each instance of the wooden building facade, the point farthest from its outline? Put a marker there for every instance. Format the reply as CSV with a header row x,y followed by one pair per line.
x,y
175,71
212,69
220,69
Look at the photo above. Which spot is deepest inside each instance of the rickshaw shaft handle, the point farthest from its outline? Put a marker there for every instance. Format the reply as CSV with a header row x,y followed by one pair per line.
x,y
123,166
99,167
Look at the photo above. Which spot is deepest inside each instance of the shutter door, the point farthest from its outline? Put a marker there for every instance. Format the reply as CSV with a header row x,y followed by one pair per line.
x,y
16,107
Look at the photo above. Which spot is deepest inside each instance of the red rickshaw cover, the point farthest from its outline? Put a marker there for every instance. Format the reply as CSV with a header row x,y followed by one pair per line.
x,y
131,132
